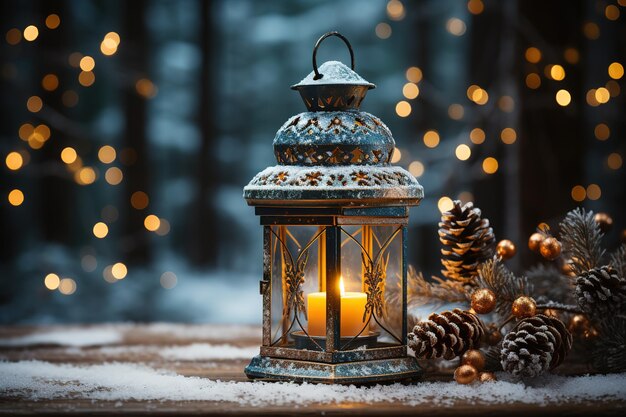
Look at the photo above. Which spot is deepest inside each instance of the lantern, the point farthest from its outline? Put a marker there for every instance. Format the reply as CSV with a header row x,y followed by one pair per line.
x,y
334,214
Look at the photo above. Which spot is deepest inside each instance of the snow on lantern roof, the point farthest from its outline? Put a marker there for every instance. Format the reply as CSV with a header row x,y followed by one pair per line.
x,y
333,73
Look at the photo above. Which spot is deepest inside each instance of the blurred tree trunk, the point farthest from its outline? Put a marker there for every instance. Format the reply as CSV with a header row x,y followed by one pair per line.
x,y
135,152
55,212
552,139
203,248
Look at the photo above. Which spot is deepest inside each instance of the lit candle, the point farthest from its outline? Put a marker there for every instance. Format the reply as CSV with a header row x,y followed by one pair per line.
x,y
352,310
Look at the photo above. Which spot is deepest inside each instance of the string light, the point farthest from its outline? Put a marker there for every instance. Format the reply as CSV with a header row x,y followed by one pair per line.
x,y
86,78
119,271
52,281
563,98
614,161
477,136
490,165
403,108
508,136
591,31
533,81
113,176
591,98
34,104
557,72
146,88
164,227
168,280
463,152
475,6
383,30
602,95
410,90
13,36
106,154
616,70
31,32
395,10
100,230
456,26
14,161
85,176
110,43
593,192
151,222
611,12
602,131
68,155
397,155
533,55
139,200
67,286
87,63
578,193
414,74
456,111
25,131
16,197
53,21
416,168
50,82
431,139
445,204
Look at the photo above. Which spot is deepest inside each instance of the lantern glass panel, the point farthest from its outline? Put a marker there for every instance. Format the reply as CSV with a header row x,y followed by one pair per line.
x,y
371,261
296,259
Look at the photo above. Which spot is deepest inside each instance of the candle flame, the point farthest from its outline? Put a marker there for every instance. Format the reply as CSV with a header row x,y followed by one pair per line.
x,y
342,289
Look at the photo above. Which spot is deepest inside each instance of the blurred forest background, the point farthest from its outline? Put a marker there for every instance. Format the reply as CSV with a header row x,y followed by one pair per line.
x,y
128,129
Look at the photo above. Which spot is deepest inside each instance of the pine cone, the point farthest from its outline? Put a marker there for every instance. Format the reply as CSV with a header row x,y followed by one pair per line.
x,y
601,290
535,345
467,241
446,335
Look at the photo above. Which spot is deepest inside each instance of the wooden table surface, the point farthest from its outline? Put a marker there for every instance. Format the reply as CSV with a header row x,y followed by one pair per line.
x,y
161,336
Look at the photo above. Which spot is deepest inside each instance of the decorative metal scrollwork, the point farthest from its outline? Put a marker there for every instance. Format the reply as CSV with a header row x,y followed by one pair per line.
x,y
294,279
374,281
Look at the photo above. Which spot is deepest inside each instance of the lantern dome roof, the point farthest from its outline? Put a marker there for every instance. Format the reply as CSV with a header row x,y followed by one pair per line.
x,y
333,73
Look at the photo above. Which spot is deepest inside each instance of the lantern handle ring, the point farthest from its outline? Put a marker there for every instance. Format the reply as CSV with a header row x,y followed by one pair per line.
x,y
317,45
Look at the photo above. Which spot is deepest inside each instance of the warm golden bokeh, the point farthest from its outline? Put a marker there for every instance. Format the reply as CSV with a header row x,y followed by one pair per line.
x,y
533,55
50,82
475,6
31,32
602,131
34,104
52,281
578,193
456,111
616,70
397,156
416,168
146,88
593,192
490,165
403,108
16,197
86,78
100,230
106,154
414,74
477,136
463,152
533,80
383,30
53,21
87,63
67,286
431,139
410,90
563,98
119,270
456,26
113,175
13,36
68,155
139,200
395,10
508,135
151,222
445,204
614,161
85,176
14,161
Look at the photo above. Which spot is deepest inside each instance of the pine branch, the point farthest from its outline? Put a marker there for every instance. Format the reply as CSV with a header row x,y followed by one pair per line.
x,y
550,285
495,276
581,238
445,290
609,352
618,260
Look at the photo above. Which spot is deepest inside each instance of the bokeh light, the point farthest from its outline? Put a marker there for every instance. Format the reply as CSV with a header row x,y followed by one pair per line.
x,y
52,281
490,165
151,222
431,139
463,152
16,197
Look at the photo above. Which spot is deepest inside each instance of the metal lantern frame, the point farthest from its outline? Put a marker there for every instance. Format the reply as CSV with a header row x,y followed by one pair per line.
x,y
334,180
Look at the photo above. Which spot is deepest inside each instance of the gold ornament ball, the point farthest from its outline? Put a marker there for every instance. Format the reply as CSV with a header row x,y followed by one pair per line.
x,y
475,358
524,307
487,377
506,249
483,301
604,221
579,324
534,241
465,374
550,248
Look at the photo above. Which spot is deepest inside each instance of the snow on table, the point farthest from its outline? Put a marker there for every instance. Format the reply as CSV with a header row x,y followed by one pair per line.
x,y
148,366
